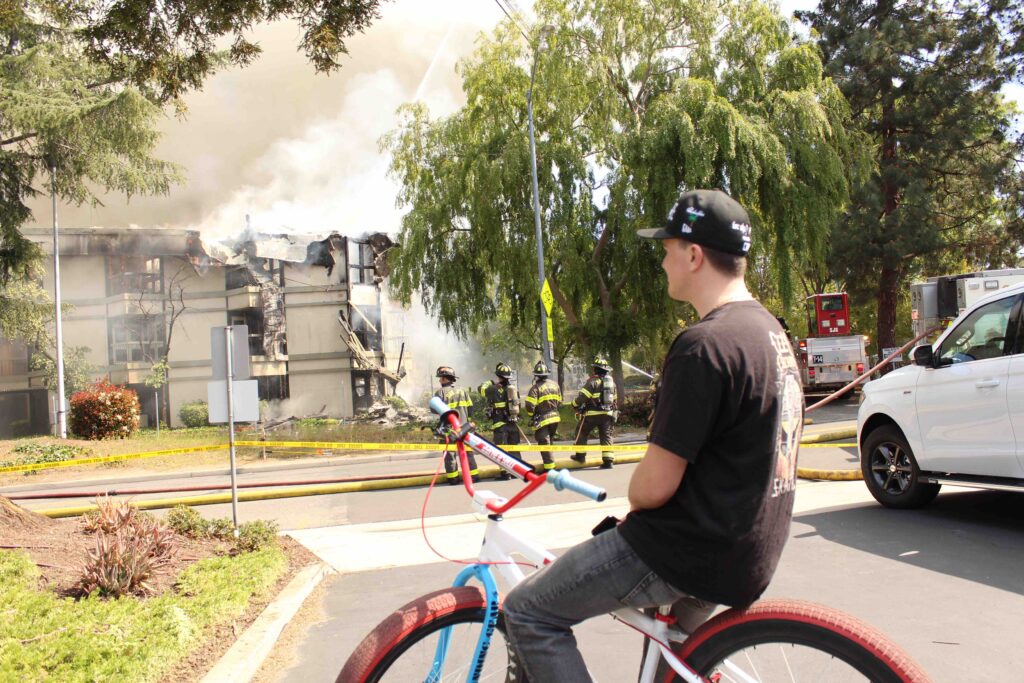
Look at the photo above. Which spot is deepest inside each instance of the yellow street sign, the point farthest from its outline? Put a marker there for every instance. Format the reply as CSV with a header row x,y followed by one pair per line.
x,y
548,298
551,332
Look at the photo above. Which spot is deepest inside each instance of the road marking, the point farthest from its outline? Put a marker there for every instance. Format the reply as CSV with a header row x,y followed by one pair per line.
x,y
381,545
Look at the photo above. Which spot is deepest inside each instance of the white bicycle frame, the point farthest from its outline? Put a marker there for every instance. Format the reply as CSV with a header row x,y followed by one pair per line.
x,y
501,544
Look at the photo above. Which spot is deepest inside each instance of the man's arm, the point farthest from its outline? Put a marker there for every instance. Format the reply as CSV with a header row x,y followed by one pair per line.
x,y
656,478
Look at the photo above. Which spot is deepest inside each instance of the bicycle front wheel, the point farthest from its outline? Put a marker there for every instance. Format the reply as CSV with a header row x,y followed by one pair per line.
x,y
786,640
403,647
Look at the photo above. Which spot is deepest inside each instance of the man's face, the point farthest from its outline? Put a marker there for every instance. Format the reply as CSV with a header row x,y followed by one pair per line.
x,y
678,266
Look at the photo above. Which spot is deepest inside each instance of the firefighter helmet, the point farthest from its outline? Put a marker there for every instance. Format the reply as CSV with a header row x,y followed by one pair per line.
x,y
503,370
540,370
601,363
445,371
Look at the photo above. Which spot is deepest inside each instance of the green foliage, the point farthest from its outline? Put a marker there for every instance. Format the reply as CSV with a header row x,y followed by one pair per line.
x,y
77,370
925,84
194,414
38,453
396,402
104,411
82,85
222,528
186,521
626,118
26,311
157,376
47,637
255,535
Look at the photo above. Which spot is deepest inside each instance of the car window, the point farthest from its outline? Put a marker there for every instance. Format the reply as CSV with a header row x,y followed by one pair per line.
x,y
982,335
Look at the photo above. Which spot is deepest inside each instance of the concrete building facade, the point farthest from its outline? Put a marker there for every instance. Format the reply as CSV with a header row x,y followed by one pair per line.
x,y
311,304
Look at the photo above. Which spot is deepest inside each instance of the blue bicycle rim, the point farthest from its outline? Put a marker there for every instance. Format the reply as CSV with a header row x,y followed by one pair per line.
x,y
481,573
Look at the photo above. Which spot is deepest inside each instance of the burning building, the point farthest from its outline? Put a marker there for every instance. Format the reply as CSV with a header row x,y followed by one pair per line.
x,y
312,305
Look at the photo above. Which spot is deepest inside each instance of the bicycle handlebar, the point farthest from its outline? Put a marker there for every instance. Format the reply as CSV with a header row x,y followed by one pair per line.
x,y
564,480
561,479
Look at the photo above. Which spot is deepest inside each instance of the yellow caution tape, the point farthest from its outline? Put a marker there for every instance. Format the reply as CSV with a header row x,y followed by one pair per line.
x,y
110,458
351,446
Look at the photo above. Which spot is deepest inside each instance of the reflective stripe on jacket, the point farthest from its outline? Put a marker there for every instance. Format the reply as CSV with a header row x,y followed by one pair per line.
x,y
543,402
457,399
588,400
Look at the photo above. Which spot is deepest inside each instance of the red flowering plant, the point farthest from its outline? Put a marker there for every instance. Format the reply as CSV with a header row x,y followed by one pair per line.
x,y
104,411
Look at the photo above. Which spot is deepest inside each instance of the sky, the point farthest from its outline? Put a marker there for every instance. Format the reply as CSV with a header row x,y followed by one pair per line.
x,y
298,151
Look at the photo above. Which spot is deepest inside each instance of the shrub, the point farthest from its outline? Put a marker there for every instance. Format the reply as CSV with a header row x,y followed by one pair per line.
x,y
194,414
125,560
635,411
187,522
104,411
253,536
221,528
396,402
110,516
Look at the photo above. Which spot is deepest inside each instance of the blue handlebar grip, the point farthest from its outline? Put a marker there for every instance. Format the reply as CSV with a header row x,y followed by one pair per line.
x,y
438,406
561,479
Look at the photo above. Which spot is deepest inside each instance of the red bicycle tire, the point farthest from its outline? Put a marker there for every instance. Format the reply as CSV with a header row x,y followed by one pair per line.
x,y
843,626
401,623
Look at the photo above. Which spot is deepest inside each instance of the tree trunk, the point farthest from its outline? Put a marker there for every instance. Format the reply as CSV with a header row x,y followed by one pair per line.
x,y
888,295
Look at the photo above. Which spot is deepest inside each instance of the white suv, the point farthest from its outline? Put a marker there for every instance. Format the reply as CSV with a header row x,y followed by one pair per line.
x,y
956,416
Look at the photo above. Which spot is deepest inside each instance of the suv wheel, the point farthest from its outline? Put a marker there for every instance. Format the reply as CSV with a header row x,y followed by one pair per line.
x,y
891,472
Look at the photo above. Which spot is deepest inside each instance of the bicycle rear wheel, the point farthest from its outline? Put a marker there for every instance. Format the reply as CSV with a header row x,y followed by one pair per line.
x,y
787,640
402,648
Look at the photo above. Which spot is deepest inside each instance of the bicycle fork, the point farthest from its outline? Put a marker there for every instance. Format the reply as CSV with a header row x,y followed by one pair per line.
x,y
483,574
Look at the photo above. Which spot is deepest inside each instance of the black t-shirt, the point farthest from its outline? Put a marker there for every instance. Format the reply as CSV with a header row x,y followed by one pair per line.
x,y
730,403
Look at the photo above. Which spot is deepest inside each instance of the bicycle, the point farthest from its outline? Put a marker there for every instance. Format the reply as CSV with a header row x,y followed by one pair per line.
x,y
447,635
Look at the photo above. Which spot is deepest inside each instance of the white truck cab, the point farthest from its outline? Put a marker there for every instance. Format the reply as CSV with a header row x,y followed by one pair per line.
x,y
956,415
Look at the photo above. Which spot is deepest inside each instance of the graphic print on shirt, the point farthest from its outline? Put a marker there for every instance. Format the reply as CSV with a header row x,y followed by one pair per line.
x,y
791,411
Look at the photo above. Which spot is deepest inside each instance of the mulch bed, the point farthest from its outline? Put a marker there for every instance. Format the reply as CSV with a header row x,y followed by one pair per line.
x,y
58,547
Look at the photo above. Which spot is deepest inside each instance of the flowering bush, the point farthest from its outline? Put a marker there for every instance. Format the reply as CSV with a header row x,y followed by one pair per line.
x,y
104,411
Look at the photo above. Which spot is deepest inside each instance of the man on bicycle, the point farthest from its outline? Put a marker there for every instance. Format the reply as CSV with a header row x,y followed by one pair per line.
x,y
712,499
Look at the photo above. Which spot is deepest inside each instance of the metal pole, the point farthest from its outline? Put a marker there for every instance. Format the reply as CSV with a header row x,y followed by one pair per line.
x,y
545,348
228,332
62,421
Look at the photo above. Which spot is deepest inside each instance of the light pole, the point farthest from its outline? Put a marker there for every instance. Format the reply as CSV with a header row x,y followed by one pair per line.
x,y
545,343
62,419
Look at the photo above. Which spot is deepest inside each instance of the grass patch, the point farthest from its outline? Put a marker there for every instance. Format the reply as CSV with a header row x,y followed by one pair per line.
x,y
46,637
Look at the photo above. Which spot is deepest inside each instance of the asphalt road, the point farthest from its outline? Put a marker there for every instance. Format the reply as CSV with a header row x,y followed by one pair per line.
x,y
944,582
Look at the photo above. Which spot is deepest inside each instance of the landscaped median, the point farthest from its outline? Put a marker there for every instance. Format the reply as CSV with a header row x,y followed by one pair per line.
x,y
81,601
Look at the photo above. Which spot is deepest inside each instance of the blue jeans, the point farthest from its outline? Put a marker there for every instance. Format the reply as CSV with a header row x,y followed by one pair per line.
x,y
597,576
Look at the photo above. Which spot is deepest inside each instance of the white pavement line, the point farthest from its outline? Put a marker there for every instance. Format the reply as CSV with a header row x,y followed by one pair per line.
x,y
380,545
241,662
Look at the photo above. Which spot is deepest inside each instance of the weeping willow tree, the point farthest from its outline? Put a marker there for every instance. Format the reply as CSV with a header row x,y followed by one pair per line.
x,y
634,101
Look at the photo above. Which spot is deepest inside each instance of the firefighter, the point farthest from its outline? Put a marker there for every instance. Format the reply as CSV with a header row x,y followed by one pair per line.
x,y
542,404
457,400
596,406
502,401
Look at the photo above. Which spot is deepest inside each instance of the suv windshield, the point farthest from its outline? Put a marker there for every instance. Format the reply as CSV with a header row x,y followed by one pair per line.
x,y
982,335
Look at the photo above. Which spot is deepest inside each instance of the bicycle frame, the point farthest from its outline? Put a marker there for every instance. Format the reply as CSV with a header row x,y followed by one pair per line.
x,y
501,544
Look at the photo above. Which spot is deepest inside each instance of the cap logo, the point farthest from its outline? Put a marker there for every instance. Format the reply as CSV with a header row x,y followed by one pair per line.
x,y
744,230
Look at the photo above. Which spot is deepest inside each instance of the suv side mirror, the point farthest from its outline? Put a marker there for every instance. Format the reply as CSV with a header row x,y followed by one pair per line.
x,y
923,356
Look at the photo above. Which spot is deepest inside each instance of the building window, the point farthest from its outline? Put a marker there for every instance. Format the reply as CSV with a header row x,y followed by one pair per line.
x,y
272,387
134,275
253,319
13,358
360,263
137,339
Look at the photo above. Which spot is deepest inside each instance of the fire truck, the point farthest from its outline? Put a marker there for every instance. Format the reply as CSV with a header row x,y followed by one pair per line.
x,y
830,357
937,301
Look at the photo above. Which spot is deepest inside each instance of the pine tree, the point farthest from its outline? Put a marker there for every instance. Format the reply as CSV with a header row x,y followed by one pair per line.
x,y
923,79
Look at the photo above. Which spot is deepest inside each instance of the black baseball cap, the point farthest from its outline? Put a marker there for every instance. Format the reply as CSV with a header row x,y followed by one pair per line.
x,y
710,218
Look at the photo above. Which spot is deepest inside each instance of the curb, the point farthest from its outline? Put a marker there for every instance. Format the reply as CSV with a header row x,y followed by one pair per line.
x,y
243,659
